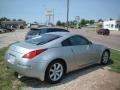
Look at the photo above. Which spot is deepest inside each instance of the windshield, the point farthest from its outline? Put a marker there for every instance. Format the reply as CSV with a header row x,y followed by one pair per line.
x,y
43,39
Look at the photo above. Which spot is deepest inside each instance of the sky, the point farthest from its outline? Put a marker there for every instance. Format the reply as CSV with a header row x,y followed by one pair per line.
x,y
35,10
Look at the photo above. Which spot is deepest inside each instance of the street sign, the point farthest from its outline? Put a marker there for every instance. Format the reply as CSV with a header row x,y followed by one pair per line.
x,y
49,13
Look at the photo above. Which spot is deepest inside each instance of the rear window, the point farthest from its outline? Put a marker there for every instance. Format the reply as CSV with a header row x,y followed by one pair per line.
x,y
43,39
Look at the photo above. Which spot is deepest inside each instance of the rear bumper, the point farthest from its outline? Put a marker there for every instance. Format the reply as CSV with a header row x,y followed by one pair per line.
x,y
35,70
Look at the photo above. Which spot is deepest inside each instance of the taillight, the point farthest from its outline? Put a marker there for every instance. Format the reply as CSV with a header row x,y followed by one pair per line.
x,y
32,54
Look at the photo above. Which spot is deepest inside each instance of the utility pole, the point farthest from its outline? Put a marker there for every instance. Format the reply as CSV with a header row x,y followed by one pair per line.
x,y
53,16
67,14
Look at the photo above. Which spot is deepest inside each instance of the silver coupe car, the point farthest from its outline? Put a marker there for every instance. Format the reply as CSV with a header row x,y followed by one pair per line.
x,y
49,56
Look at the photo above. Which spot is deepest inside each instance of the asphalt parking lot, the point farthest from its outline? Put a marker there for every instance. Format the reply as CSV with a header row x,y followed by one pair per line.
x,y
112,41
91,78
11,37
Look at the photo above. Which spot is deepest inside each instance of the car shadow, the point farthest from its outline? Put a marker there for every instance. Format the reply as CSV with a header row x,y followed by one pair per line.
x,y
35,83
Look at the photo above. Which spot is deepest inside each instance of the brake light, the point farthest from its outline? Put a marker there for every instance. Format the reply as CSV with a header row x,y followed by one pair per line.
x,y
32,54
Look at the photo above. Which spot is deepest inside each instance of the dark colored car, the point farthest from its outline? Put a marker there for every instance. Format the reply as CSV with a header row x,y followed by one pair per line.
x,y
2,30
9,29
33,32
103,32
22,27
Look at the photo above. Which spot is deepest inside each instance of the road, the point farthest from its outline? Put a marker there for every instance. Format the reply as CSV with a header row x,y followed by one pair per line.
x,y
9,38
112,41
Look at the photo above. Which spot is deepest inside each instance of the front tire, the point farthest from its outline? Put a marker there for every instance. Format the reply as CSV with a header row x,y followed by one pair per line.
x,y
105,57
54,72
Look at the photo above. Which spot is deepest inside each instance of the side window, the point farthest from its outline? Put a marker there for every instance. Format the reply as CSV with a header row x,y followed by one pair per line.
x,y
42,31
63,30
52,30
57,30
33,32
66,43
78,40
49,30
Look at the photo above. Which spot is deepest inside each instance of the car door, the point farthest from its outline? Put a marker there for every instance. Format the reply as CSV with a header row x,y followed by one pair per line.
x,y
83,50
71,61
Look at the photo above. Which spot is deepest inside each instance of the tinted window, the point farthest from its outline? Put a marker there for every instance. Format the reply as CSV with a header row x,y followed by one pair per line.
x,y
43,39
50,30
63,30
66,43
57,30
78,40
44,30
34,32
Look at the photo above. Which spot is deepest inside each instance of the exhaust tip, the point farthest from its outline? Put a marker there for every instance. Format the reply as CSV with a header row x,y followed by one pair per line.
x,y
19,76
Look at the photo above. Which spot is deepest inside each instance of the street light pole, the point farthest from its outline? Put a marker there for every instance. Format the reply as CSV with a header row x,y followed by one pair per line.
x,y
67,14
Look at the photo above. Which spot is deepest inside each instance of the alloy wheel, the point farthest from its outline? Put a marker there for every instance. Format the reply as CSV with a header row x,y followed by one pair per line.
x,y
56,71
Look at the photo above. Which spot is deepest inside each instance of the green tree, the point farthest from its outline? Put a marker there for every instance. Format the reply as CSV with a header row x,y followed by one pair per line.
x,y
4,19
71,24
20,20
35,22
58,23
100,20
14,20
63,24
100,25
110,19
83,22
91,21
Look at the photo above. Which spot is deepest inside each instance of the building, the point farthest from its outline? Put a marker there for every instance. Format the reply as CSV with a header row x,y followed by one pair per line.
x,y
112,25
13,23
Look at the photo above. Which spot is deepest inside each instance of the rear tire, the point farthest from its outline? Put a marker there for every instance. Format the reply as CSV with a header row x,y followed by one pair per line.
x,y
54,72
105,59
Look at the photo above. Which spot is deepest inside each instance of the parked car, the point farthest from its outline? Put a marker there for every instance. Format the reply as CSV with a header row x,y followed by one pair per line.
x,y
33,32
22,27
103,32
49,56
2,30
9,28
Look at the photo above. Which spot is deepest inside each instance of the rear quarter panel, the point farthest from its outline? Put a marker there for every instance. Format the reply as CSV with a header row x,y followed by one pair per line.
x,y
64,53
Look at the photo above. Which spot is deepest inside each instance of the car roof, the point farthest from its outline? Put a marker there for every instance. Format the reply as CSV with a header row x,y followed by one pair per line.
x,y
47,28
62,33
